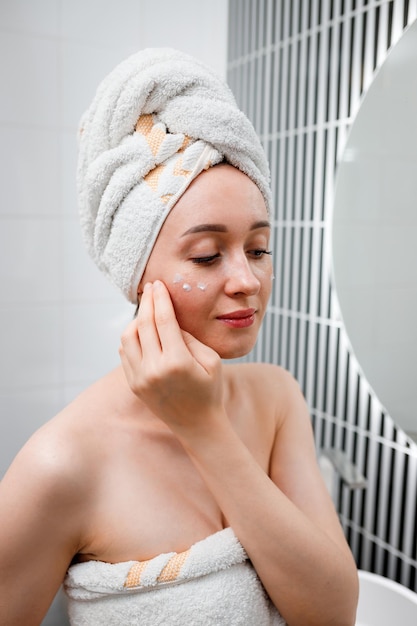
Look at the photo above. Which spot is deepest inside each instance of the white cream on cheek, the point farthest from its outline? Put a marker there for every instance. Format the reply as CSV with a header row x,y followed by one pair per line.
x,y
187,287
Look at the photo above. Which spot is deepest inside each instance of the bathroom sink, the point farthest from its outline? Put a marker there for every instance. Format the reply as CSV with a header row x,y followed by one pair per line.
x,y
383,602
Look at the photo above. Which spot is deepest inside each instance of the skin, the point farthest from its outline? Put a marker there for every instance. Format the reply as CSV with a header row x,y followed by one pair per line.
x,y
126,472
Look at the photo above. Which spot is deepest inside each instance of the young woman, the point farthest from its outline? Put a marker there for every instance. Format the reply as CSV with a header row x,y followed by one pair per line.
x,y
178,489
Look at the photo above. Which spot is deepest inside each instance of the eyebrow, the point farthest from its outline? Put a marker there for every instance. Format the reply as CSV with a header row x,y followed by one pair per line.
x,y
221,228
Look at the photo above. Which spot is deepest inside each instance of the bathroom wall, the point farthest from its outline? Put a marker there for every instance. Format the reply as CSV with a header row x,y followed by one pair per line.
x,y
299,70
60,320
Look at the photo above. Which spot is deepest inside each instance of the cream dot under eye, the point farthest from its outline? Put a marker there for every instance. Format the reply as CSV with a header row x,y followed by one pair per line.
x,y
201,286
177,279
186,287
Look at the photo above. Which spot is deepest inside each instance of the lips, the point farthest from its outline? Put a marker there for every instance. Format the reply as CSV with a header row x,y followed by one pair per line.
x,y
238,319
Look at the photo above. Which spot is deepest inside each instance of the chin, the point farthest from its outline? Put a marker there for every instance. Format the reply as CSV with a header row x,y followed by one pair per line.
x,y
228,346
233,352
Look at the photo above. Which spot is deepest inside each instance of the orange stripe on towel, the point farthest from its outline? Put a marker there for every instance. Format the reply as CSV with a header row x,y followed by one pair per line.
x,y
173,567
135,572
168,574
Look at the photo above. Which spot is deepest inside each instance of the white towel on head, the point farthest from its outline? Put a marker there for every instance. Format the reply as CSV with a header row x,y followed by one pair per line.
x,y
211,584
157,120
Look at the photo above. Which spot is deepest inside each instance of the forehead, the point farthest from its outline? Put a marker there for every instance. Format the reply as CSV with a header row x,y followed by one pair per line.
x,y
222,194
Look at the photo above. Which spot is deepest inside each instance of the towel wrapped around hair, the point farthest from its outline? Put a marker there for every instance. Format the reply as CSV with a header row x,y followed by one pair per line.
x,y
211,584
157,120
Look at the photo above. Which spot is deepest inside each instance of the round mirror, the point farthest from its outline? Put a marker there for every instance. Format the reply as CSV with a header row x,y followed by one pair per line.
x,y
374,238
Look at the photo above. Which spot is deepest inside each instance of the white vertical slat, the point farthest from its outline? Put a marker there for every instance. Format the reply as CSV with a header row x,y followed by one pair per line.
x,y
312,339
345,70
356,65
342,372
300,353
281,125
322,69
368,62
384,501
276,91
251,87
312,70
291,343
349,405
291,95
397,21
283,341
275,347
305,266
262,85
299,123
382,35
311,95
267,325
252,52
351,417
331,369
361,452
287,266
321,368
369,502
273,164
411,493
321,86
395,508
296,277
336,9
265,93
412,11
240,27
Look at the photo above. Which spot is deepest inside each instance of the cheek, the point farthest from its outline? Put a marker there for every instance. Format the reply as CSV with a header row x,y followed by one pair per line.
x,y
265,275
187,284
191,298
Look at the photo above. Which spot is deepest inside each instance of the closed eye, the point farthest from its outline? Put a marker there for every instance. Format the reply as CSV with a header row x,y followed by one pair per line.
x,y
259,253
205,260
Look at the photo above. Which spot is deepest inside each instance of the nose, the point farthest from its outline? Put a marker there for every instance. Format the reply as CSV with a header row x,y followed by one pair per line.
x,y
241,279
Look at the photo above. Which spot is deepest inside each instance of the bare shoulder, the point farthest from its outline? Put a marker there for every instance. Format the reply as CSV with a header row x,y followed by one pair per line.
x,y
50,464
44,502
58,461
267,383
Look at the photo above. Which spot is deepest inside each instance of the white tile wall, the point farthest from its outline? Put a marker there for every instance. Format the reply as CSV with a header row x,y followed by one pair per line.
x,y
35,405
31,251
29,176
40,17
29,79
60,319
30,351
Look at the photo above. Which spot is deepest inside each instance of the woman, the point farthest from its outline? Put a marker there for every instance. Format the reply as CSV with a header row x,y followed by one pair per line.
x,y
177,489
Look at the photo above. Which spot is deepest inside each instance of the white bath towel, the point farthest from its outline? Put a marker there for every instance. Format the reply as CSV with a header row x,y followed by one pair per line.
x,y
157,120
211,584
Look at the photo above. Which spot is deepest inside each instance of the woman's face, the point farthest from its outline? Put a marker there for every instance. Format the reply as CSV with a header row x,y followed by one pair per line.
x,y
211,254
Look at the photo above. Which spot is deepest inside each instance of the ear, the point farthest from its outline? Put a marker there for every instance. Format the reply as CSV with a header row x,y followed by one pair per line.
x,y
139,289
138,296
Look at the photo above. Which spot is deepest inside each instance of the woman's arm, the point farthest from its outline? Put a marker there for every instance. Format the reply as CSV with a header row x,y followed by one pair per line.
x,y
286,523
40,515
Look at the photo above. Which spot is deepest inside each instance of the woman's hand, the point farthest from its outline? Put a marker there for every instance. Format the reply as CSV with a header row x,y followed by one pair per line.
x,y
175,375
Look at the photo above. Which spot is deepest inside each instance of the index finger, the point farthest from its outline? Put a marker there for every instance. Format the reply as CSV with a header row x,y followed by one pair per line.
x,y
169,331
